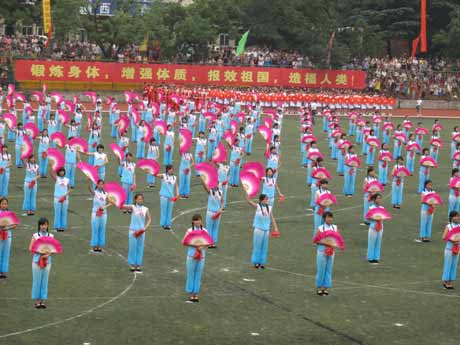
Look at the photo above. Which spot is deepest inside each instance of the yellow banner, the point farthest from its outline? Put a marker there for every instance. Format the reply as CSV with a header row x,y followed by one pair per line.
x,y
46,7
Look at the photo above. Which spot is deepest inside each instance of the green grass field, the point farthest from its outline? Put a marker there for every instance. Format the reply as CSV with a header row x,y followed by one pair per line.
x,y
95,300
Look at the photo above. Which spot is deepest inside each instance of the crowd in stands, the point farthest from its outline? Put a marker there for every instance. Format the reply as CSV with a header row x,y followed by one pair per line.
x,y
411,78
399,77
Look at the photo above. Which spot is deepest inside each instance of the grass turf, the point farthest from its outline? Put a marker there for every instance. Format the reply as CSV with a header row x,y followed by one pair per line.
x,y
94,299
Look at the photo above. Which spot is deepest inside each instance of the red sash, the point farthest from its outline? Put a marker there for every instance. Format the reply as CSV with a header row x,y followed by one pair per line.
x,y
435,148
42,262
411,154
427,170
398,181
186,171
384,164
44,154
100,212
457,192
320,211
378,225
399,143
430,210
329,251
198,255
138,233
352,171
455,249
371,149
3,235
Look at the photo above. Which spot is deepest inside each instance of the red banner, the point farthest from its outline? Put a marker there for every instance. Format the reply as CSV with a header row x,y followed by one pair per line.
x,y
423,42
108,72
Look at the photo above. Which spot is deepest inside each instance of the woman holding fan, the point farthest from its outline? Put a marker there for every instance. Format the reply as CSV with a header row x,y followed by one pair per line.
x,y
5,240
235,163
411,149
61,200
169,193
200,148
374,241
262,223
5,168
168,146
100,160
140,139
123,143
140,221
98,215
196,255
319,209
397,186
44,144
128,177
185,174
30,186
424,171
270,186
372,142
18,143
426,213
70,163
367,195
153,152
324,256
41,265
350,170
451,251
93,140
214,211
454,194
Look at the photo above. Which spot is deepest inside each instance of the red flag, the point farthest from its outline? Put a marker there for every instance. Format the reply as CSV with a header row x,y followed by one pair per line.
x,y
423,44
415,44
49,36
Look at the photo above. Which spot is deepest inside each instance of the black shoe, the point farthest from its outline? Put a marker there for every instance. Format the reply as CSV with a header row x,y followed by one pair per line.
x,y
2,276
138,269
319,292
262,267
42,306
326,292
256,266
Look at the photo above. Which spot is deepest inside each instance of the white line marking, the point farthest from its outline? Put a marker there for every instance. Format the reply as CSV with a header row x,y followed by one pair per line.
x,y
86,312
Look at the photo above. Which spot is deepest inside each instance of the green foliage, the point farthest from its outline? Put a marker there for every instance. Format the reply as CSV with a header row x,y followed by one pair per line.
x,y
362,27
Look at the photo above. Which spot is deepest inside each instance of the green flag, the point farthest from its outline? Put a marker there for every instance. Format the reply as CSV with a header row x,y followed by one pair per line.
x,y
242,44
